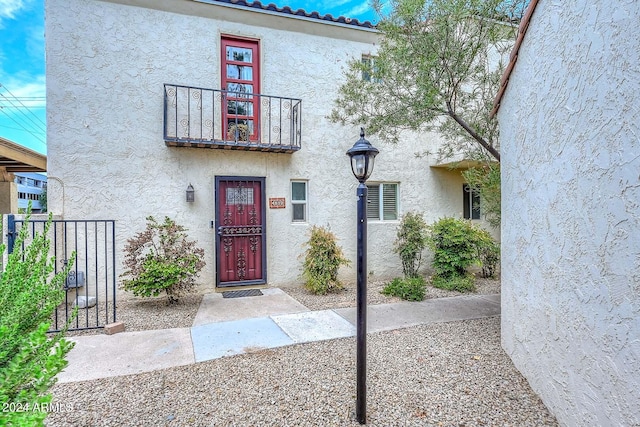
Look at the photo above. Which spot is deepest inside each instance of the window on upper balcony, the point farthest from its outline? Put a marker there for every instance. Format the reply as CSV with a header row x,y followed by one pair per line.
x,y
369,64
241,80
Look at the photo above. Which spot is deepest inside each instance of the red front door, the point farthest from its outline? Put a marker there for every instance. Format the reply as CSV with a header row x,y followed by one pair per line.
x,y
240,240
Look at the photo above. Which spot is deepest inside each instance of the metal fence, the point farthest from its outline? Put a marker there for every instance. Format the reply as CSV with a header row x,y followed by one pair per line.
x,y
91,282
212,118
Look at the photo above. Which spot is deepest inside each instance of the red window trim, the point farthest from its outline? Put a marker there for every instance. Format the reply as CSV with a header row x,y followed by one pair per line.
x,y
244,42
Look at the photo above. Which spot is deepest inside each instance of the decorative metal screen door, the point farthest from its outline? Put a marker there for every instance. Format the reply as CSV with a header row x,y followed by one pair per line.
x,y
240,239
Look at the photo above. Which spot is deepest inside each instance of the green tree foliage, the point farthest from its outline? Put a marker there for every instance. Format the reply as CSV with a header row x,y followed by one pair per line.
x,y
29,359
322,260
42,198
437,69
411,240
161,259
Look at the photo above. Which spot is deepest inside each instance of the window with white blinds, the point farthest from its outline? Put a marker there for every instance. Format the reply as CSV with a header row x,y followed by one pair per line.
x,y
382,203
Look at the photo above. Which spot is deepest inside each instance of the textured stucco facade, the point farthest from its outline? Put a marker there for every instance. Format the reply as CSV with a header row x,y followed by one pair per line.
x,y
570,138
106,66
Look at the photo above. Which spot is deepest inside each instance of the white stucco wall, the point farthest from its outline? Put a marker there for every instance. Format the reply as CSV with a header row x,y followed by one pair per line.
x,y
106,66
570,134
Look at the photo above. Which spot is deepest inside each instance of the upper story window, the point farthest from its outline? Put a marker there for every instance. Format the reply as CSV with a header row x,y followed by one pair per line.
x,y
299,201
241,79
382,203
470,202
368,63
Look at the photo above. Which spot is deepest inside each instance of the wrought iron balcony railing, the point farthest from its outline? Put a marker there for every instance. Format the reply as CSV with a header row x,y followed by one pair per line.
x,y
214,118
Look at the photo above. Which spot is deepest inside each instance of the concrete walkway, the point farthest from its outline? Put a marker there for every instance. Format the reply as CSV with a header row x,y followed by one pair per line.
x,y
225,327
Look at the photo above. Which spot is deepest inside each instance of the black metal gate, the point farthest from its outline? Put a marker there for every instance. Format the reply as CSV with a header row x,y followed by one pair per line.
x,y
91,282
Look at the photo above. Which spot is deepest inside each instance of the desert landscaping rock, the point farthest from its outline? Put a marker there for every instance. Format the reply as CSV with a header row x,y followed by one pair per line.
x,y
347,297
84,301
140,314
447,374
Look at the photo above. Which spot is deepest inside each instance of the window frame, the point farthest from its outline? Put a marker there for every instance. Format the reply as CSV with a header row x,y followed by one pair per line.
x,y
304,202
369,61
252,133
381,200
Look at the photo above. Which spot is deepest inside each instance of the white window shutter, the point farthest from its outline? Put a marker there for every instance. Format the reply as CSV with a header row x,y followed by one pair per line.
x,y
390,201
373,202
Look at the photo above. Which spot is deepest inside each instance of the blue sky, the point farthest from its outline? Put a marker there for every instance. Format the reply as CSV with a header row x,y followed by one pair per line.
x,y
22,62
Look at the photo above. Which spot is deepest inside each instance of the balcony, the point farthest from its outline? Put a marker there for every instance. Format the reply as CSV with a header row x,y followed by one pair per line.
x,y
213,118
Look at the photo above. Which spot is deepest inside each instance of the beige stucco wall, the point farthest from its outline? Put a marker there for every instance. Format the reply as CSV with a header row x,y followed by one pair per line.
x,y
106,66
8,197
571,211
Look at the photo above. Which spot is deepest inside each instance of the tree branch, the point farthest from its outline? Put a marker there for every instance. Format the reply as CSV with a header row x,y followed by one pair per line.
x,y
471,132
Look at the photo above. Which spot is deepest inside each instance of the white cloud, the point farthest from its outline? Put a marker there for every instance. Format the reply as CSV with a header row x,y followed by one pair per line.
x,y
35,42
8,8
31,91
335,3
358,10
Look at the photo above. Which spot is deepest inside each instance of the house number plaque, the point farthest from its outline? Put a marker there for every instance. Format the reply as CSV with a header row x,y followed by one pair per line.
x,y
277,203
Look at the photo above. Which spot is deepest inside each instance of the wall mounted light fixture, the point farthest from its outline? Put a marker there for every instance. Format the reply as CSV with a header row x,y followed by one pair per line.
x,y
191,194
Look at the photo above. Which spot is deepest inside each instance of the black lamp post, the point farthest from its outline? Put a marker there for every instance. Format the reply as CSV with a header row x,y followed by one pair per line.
x,y
362,155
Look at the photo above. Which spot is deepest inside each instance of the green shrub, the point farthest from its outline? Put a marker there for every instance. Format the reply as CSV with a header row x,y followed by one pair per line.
x,y
161,259
410,242
464,283
454,245
408,288
488,253
457,244
29,360
322,259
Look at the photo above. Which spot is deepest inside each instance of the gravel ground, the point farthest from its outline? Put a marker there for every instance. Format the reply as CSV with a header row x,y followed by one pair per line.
x,y
140,314
448,374
347,297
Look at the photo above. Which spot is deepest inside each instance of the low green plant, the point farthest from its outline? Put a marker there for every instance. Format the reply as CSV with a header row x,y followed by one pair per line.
x,y
29,359
322,260
161,259
463,283
411,240
407,288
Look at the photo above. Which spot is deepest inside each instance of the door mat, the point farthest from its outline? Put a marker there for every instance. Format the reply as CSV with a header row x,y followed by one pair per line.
x,y
242,293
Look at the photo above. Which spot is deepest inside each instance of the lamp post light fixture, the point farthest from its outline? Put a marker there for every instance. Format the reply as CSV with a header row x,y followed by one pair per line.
x,y
191,194
362,155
